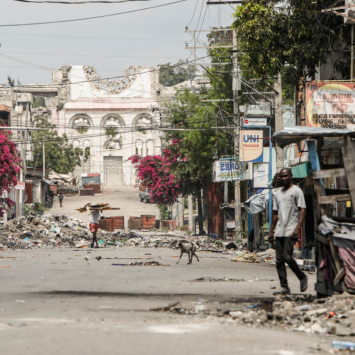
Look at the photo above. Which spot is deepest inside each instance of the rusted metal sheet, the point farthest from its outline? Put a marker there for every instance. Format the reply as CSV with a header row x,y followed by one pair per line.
x,y
29,189
215,215
97,187
148,221
106,224
157,224
54,188
169,224
118,222
134,223
86,192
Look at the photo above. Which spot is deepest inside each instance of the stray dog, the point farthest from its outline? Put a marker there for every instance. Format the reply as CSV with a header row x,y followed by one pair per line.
x,y
188,248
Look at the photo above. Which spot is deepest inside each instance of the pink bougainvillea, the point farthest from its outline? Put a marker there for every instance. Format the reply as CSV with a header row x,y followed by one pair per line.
x,y
10,165
154,172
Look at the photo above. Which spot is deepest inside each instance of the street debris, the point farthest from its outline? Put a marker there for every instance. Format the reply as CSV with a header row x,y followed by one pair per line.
x,y
211,279
295,312
47,231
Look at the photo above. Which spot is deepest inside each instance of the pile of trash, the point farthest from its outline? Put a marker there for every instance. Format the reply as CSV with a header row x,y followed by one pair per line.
x,y
48,231
41,231
267,256
302,313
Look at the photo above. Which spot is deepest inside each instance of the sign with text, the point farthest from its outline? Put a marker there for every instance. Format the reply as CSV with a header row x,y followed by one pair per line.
x,y
226,170
331,105
249,121
20,186
251,146
261,175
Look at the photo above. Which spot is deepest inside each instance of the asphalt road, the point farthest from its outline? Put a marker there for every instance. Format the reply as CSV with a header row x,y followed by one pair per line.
x,y
53,301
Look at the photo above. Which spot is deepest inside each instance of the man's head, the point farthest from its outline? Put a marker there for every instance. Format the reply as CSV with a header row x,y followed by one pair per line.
x,y
286,177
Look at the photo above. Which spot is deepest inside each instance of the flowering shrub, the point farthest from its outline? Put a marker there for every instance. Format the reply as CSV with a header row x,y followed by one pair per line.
x,y
9,167
154,172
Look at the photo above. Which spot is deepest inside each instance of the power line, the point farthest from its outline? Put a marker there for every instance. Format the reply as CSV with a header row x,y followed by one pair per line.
x,y
77,3
86,55
91,18
193,15
83,37
88,81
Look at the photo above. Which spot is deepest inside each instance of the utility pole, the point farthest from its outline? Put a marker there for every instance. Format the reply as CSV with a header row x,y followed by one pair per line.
x,y
278,121
26,139
237,211
44,160
195,46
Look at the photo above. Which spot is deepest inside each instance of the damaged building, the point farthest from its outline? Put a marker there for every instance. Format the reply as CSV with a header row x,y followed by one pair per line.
x,y
109,119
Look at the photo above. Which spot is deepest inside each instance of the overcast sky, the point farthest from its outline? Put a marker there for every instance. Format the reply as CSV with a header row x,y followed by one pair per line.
x,y
161,29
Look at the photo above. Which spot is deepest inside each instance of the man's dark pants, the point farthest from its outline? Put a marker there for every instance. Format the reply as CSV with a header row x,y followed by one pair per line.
x,y
284,251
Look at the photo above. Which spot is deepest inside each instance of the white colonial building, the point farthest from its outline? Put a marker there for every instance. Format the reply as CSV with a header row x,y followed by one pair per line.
x,y
95,108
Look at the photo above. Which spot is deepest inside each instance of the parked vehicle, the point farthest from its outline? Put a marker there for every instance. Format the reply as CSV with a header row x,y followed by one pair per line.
x,y
144,194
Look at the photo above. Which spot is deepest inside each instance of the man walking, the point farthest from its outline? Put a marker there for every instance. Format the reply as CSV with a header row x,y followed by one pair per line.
x,y
94,225
61,198
289,211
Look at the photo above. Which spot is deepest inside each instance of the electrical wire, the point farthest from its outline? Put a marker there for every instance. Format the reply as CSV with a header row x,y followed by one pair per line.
x,y
85,37
193,15
91,18
78,3
86,55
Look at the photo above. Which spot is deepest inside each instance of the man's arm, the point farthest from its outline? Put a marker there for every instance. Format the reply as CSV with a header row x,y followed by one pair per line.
x,y
297,231
275,218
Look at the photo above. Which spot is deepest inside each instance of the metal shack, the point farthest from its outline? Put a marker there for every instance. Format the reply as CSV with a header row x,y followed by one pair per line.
x,y
331,154
87,178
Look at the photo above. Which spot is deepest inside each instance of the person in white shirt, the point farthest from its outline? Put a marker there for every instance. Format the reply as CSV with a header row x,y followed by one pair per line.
x,y
289,211
95,217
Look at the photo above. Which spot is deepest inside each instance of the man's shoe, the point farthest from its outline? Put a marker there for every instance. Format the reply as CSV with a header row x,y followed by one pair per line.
x,y
283,291
304,283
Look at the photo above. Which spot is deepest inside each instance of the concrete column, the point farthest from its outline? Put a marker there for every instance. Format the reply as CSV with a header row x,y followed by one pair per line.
x,y
181,210
191,225
226,192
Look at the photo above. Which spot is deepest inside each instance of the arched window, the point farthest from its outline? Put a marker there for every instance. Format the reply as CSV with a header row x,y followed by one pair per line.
x,y
81,124
143,122
76,144
139,147
150,147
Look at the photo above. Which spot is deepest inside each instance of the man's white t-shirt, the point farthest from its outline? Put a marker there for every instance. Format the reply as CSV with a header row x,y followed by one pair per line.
x,y
287,203
95,216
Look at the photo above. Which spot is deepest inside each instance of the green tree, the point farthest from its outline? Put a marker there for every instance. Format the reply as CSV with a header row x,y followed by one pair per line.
x,y
172,74
10,81
38,101
199,145
292,40
61,156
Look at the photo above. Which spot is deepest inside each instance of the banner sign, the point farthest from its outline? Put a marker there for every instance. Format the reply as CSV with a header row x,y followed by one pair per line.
x,y
331,105
226,170
251,146
261,175
20,186
248,122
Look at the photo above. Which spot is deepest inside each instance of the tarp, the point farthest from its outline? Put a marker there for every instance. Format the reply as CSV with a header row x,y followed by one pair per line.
x,y
258,202
55,176
301,171
295,134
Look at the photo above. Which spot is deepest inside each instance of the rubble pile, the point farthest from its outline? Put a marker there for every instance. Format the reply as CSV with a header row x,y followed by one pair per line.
x,y
302,313
36,231
48,231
